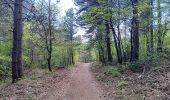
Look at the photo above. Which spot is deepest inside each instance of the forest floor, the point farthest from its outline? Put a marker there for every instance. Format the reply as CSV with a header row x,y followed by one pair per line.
x,y
75,83
154,85
89,82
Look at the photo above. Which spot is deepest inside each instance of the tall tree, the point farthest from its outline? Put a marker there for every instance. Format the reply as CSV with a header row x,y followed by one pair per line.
x,y
44,21
135,32
69,22
49,47
17,41
151,25
108,43
119,55
159,44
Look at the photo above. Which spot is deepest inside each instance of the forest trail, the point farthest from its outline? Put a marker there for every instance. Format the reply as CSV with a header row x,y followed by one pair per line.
x,y
76,83
82,85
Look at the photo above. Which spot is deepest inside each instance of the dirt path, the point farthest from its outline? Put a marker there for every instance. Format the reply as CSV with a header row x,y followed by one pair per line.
x,y
83,86
62,84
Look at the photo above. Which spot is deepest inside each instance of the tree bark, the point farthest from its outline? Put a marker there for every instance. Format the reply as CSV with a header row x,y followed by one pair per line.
x,y
49,46
20,33
100,49
108,43
159,46
119,56
17,65
151,26
135,33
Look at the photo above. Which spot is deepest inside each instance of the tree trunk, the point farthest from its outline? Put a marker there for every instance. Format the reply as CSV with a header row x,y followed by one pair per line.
x,y
71,39
72,56
125,44
120,44
135,32
49,46
102,55
49,62
109,54
159,47
119,56
100,49
20,33
17,42
151,27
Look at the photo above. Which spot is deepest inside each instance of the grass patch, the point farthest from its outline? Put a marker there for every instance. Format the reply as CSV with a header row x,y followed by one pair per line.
x,y
106,70
121,84
113,71
71,66
37,73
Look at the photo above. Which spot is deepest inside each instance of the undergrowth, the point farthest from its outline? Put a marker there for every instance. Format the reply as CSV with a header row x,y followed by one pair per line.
x,y
146,78
157,63
154,62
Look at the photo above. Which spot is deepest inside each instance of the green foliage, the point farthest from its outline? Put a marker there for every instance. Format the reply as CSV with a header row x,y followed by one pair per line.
x,y
5,70
5,74
97,13
154,61
112,71
143,6
5,59
135,66
121,84
121,68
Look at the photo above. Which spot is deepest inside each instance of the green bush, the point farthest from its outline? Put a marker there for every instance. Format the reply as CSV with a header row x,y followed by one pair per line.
x,y
5,73
112,70
5,70
151,61
135,66
121,68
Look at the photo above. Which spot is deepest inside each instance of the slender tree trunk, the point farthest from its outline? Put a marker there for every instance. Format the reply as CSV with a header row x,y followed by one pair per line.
x,y
72,56
119,58
164,32
71,38
159,46
147,41
49,63
99,53
102,55
135,32
108,43
100,49
147,19
117,41
151,26
125,32
50,38
120,44
20,33
131,46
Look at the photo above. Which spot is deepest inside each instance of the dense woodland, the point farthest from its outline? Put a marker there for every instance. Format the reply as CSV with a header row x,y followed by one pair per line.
x,y
33,34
